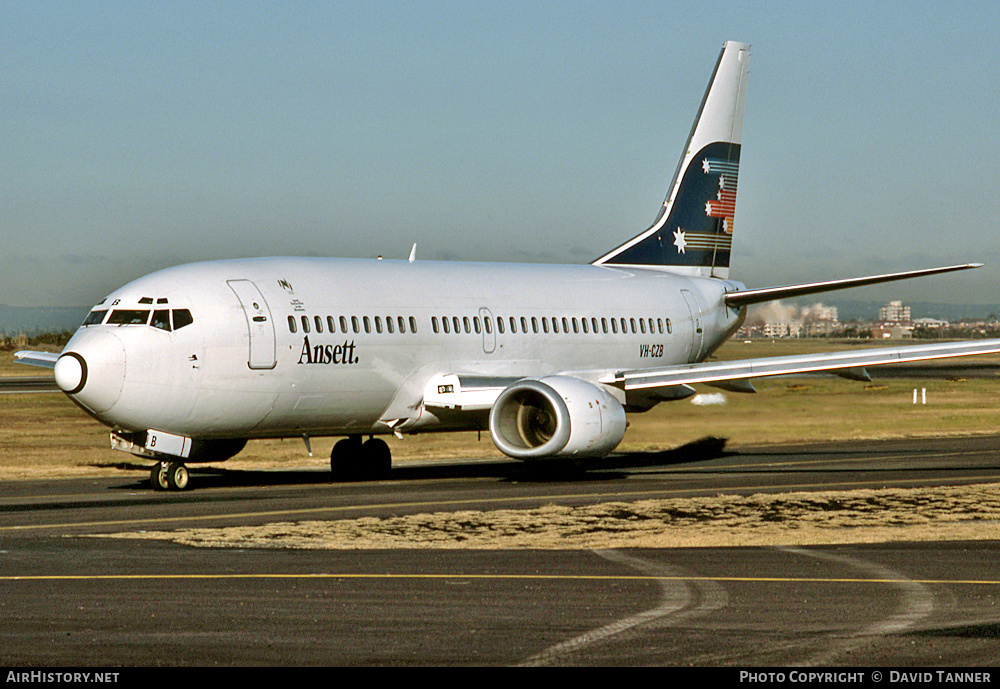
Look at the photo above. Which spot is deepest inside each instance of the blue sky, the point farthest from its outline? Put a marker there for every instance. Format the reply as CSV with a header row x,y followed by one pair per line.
x,y
138,136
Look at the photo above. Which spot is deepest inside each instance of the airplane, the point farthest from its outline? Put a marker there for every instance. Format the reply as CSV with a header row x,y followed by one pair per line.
x,y
188,363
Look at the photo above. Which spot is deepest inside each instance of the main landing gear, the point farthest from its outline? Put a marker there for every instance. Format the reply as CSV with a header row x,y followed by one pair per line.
x,y
169,476
352,460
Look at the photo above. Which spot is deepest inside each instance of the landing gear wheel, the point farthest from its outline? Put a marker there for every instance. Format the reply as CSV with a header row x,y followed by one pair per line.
x,y
158,476
344,458
169,476
177,476
350,460
377,458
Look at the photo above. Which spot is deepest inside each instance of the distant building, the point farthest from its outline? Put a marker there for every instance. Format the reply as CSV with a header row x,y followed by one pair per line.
x,y
783,329
892,332
932,323
894,312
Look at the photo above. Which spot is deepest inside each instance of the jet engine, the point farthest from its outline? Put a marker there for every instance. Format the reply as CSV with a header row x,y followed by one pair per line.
x,y
556,416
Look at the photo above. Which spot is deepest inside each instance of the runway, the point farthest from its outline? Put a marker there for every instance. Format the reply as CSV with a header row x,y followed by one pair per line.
x,y
70,599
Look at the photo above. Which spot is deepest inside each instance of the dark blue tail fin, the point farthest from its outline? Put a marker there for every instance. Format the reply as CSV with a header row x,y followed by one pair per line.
x,y
694,229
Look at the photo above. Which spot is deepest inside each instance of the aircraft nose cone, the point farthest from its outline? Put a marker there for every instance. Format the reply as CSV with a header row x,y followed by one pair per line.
x,y
92,370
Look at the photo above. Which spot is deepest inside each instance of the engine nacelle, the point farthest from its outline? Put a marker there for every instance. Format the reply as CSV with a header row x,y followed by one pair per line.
x,y
556,416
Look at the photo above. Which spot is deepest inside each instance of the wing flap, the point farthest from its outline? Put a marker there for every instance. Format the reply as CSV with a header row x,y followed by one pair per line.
x,y
716,371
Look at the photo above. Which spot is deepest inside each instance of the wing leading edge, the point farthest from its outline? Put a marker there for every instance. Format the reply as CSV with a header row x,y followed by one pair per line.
x,y
42,359
854,362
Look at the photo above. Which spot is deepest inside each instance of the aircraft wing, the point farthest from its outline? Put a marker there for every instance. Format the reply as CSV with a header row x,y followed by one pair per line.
x,y
43,359
849,364
757,296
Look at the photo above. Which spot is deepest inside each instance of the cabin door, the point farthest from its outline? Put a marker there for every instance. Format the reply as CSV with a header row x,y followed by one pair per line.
x,y
697,331
259,324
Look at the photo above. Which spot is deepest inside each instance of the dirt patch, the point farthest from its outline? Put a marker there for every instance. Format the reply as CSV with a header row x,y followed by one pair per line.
x,y
863,516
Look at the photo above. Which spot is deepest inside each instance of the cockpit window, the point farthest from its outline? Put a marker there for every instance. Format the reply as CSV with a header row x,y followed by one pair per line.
x,y
161,320
182,317
95,317
129,317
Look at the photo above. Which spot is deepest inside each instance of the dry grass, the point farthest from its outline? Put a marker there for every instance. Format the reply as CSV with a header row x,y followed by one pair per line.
x,y
862,516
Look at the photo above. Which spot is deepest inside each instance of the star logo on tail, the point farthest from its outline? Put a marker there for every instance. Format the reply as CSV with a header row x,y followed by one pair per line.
x,y
679,240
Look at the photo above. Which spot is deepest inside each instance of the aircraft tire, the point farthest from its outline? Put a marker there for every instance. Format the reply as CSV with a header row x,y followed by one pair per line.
x,y
158,477
178,477
377,458
345,458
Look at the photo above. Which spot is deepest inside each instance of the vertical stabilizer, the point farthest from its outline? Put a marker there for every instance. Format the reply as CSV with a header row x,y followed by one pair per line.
x,y
694,229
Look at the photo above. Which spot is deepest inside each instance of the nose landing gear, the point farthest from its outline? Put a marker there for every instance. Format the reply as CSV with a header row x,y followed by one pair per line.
x,y
169,476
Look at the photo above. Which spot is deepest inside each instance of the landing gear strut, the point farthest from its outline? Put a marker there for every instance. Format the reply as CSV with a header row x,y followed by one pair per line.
x,y
352,460
169,476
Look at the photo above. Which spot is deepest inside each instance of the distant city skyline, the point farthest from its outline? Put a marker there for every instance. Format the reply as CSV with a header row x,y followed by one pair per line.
x,y
143,136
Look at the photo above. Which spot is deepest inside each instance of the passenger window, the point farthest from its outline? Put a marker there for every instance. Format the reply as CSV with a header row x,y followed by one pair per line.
x,y
305,324
368,324
545,324
413,324
354,324
475,324
447,324
291,324
534,325
343,324
378,324
161,320
182,317
331,324
402,324
465,321
614,326
668,327
389,325
319,324
500,325
434,323
457,323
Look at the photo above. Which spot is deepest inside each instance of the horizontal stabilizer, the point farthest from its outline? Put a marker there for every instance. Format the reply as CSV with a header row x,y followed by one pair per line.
x,y
43,359
757,296
716,371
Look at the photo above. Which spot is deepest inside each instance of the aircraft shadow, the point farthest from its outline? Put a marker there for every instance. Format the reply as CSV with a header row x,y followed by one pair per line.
x,y
506,469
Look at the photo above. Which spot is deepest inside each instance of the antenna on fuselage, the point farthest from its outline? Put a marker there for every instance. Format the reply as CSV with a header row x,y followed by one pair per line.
x,y
413,253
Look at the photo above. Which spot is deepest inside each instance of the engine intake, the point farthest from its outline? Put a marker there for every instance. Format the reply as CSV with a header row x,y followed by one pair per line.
x,y
556,416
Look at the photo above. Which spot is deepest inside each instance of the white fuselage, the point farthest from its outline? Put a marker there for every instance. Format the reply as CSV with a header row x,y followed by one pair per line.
x,y
267,353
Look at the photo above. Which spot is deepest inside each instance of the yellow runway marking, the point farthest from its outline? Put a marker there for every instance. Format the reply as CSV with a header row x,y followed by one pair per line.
x,y
493,577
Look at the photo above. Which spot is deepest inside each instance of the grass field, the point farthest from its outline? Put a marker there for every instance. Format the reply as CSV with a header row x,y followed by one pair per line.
x,y
46,434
